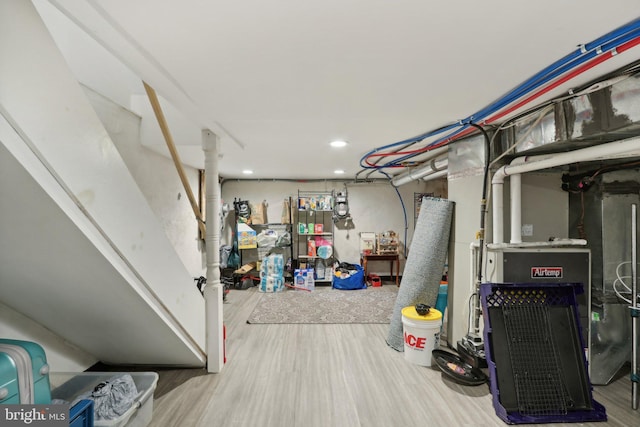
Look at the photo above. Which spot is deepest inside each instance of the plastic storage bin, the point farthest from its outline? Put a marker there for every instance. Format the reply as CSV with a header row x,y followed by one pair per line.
x,y
81,414
69,385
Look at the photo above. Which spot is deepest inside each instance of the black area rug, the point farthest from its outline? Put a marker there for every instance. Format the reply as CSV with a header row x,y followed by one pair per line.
x,y
326,305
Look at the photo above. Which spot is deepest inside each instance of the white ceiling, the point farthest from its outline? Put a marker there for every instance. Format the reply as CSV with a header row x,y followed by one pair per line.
x,y
278,80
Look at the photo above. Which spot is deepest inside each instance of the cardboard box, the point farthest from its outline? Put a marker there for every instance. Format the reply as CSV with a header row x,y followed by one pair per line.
x,y
246,237
246,268
303,278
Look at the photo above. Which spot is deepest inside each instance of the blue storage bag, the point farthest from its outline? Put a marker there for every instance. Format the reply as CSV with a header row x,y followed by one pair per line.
x,y
355,281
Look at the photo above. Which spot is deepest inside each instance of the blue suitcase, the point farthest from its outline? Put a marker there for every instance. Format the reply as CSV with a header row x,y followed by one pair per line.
x,y
24,373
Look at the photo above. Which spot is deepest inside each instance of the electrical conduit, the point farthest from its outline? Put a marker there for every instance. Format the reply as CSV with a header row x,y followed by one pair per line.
x,y
583,59
583,67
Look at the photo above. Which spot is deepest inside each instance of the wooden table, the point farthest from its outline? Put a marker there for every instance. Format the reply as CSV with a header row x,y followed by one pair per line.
x,y
365,259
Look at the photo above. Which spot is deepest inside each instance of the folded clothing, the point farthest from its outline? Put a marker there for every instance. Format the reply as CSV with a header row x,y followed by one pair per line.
x,y
111,398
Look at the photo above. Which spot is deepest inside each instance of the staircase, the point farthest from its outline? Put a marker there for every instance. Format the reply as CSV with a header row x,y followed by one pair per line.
x,y
82,254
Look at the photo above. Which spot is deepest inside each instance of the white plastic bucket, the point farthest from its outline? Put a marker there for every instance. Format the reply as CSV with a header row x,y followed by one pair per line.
x,y
421,334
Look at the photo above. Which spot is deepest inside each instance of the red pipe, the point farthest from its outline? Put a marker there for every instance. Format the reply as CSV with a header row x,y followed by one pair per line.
x,y
583,68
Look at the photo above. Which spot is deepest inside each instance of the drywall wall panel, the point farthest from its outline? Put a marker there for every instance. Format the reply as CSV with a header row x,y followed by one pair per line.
x,y
374,207
158,179
62,356
48,110
55,271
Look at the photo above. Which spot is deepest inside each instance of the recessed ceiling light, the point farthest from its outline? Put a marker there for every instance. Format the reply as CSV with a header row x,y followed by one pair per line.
x,y
247,172
338,143
338,171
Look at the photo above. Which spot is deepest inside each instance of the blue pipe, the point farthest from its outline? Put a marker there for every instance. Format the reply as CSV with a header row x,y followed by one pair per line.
x,y
406,141
557,70
482,114
404,211
553,70
588,51
531,85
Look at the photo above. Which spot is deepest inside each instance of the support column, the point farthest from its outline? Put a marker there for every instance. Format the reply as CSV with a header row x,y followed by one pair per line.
x,y
466,193
516,208
213,291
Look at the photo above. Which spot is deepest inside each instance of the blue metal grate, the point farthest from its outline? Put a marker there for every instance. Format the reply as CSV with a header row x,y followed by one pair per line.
x,y
535,353
534,357
506,296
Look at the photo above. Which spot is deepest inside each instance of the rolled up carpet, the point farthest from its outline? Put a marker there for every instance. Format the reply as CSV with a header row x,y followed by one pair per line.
x,y
425,263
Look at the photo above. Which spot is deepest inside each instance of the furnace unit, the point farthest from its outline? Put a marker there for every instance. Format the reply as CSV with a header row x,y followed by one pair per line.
x,y
601,214
544,265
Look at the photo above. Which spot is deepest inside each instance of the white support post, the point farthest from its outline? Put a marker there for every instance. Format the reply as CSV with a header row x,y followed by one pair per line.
x,y
516,208
213,290
497,188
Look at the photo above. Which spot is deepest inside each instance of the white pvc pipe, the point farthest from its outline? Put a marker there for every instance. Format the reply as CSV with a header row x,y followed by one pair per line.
x,y
474,247
436,175
425,171
213,290
473,265
439,154
497,189
634,304
544,244
617,149
516,208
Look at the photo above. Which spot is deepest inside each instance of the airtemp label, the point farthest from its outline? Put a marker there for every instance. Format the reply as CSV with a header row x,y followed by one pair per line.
x,y
546,272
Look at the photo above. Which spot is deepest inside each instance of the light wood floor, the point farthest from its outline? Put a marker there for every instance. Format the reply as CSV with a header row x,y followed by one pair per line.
x,y
330,375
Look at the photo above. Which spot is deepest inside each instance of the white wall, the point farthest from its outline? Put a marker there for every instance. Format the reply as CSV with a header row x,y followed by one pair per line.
x,y
466,193
112,89
50,126
544,206
99,69
62,356
374,207
158,179
91,63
